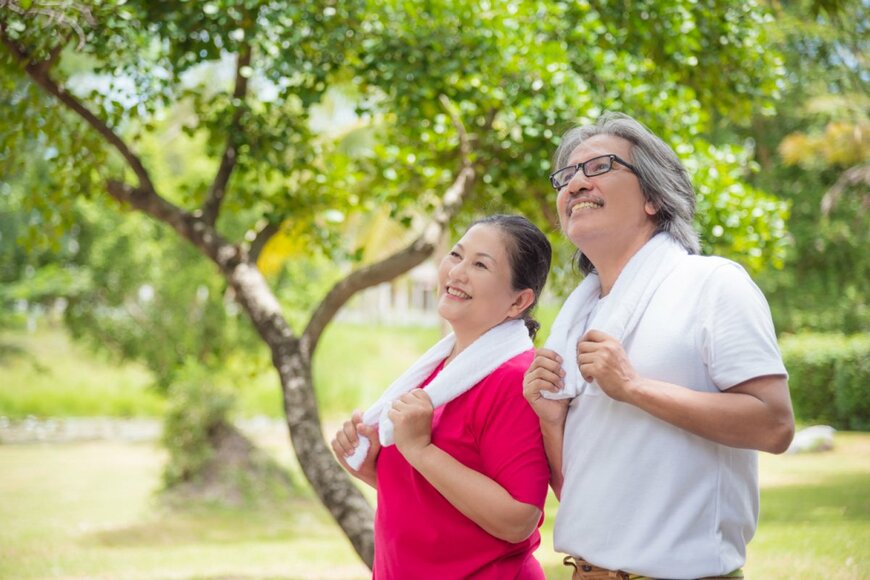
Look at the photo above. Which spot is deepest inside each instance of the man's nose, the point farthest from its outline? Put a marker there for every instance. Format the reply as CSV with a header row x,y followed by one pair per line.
x,y
579,182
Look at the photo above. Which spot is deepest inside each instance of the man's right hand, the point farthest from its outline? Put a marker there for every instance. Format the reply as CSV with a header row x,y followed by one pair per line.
x,y
546,374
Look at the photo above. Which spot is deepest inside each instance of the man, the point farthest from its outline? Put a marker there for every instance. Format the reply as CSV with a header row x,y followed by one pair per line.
x,y
661,377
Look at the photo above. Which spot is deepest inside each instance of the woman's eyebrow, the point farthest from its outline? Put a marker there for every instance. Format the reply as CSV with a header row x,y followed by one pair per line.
x,y
459,246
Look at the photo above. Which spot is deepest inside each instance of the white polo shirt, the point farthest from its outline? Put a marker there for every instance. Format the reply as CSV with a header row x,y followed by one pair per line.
x,y
642,495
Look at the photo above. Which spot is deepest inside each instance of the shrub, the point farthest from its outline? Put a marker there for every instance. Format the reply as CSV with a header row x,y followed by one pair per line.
x,y
829,378
210,460
197,410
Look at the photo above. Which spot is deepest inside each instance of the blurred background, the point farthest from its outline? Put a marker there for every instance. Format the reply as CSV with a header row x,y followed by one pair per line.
x,y
219,222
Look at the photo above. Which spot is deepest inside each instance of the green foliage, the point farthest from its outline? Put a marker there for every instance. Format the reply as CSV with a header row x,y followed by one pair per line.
x,y
736,219
515,73
829,378
299,300
210,461
36,248
851,393
520,74
161,78
197,410
806,154
150,296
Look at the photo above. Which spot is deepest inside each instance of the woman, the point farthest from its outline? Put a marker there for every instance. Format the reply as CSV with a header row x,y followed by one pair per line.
x,y
462,491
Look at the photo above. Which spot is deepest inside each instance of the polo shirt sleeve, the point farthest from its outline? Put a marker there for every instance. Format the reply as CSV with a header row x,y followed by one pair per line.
x,y
738,338
509,436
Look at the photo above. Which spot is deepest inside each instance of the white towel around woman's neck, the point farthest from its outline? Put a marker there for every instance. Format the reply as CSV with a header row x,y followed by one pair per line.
x,y
491,350
618,315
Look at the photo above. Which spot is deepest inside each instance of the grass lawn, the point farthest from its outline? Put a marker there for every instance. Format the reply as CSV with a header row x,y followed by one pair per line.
x,y
86,510
45,374
815,514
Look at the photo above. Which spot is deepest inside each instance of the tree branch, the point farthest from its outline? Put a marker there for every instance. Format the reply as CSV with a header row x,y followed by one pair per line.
x,y
858,175
392,266
409,257
211,207
145,197
188,225
548,208
47,9
464,146
261,238
39,72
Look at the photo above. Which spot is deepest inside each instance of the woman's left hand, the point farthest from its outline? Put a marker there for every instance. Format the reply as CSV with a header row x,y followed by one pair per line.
x,y
411,415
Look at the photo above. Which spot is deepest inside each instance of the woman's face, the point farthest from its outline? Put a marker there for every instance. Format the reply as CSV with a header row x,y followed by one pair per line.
x,y
605,209
475,283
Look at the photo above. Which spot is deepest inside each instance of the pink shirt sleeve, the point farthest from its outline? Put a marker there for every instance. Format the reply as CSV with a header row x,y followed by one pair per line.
x,y
509,435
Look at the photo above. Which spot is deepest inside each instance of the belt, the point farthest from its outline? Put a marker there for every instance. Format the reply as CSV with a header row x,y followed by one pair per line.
x,y
583,570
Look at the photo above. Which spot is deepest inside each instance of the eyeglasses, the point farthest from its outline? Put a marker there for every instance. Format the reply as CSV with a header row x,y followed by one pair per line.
x,y
590,168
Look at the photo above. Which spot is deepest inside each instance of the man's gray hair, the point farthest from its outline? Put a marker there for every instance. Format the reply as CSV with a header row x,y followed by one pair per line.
x,y
663,179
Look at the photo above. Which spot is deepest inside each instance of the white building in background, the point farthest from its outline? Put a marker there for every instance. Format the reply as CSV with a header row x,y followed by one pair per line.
x,y
409,300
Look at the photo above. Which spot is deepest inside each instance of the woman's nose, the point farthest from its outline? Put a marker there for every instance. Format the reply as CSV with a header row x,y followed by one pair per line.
x,y
457,271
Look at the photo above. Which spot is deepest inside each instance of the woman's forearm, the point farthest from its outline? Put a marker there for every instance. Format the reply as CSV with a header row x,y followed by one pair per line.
x,y
479,498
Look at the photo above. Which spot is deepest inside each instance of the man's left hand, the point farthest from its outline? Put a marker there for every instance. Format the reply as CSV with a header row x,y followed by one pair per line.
x,y
601,358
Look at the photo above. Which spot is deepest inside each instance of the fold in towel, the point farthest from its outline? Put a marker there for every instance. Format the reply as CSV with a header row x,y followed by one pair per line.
x,y
616,316
494,348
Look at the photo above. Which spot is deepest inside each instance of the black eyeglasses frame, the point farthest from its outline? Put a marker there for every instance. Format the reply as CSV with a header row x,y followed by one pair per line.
x,y
582,167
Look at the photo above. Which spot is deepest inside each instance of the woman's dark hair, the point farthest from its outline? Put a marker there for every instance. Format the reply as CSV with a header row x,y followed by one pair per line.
x,y
529,253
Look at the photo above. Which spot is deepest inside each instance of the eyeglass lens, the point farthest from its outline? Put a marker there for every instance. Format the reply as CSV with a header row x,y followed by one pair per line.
x,y
591,168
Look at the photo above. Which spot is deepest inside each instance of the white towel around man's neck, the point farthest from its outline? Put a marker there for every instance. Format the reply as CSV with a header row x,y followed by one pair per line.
x,y
491,350
618,315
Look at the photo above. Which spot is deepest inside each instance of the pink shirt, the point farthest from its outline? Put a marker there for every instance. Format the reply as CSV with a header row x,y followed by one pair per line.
x,y
491,429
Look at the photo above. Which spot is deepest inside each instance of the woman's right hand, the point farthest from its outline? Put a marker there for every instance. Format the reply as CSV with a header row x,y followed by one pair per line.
x,y
346,441
546,374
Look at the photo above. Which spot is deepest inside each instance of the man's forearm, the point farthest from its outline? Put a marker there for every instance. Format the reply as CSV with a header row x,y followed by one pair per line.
x,y
754,415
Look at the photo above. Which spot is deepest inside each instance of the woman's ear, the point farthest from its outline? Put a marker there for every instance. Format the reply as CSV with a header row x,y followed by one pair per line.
x,y
650,208
523,300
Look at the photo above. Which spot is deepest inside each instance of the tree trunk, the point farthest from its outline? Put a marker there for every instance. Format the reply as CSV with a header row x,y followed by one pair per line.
x,y
330,482
291,355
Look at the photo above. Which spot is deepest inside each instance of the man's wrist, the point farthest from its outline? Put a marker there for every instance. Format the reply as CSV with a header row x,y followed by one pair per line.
x,y
636,391
554,427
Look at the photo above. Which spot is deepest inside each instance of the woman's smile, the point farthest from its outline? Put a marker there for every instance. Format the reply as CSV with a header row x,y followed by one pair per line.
x,y
475,278
457,293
